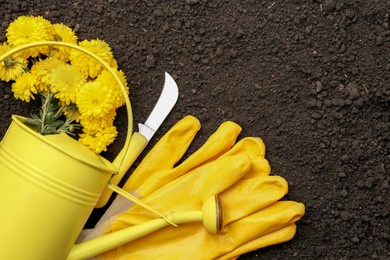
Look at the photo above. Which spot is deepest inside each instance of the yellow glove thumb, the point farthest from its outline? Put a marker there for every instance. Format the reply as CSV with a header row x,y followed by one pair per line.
x,y
166,153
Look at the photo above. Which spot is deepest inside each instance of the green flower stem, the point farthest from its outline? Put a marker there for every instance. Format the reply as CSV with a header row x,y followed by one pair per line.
x,y
45,107
59,111
49,119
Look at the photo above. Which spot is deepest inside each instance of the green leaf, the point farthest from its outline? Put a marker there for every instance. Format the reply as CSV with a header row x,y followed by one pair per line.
x,y
31,121
57,124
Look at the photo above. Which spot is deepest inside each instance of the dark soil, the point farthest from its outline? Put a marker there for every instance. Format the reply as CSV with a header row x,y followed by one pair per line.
x,y
310,77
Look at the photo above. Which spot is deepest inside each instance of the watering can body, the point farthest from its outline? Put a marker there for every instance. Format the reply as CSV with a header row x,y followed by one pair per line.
x,y
49,186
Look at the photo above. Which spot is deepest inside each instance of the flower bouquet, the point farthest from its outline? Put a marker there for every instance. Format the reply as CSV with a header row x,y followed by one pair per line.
x,y
77,92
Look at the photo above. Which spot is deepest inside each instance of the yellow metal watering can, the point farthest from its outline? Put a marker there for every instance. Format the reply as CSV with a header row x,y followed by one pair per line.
x,y
50,184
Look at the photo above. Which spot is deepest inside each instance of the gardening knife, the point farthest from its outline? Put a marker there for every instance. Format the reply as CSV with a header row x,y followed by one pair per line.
x,y
140,139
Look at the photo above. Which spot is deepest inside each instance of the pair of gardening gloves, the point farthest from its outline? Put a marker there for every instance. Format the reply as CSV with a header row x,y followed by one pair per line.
x,y
253,216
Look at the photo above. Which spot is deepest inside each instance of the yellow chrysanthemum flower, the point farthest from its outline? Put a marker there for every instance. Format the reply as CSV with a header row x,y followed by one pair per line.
x,y
24,87
65,82
42,70
92,124
114,64
86,92
95,99
107,79
86,64
28,29
11,67
63,34
100,140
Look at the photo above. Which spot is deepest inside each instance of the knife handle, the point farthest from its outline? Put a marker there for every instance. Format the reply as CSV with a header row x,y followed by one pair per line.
x,y
136,146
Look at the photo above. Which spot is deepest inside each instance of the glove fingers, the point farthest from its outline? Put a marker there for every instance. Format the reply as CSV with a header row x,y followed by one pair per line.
x,y
260,167
255,149
274,217
276,237
272,225
254,194
253,146
166,153
218,143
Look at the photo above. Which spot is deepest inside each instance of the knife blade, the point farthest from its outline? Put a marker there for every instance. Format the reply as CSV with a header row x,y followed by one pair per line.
x,y
164,105
140,139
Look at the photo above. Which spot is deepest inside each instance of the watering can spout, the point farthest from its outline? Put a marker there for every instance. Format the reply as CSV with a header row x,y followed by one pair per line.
x,y
210,215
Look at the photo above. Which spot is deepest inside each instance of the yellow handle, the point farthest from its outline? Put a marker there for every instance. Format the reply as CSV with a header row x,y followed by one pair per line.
x,y
210,215
102,244
137,144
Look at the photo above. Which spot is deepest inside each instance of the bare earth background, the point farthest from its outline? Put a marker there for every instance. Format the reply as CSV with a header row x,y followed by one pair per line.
x,y
310,77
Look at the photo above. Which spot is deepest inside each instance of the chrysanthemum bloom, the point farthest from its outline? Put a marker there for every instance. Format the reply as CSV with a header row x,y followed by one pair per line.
x,y
42,70
95,99
92,124
24,87
28,29
63,34
11,67
114,64
85,63
100,140
65,82
107,79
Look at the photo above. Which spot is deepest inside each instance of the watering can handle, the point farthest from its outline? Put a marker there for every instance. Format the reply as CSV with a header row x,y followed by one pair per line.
x,y
123,162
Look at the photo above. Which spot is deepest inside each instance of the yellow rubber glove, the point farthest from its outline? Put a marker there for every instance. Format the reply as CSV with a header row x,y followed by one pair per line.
x,y
158,166
252,217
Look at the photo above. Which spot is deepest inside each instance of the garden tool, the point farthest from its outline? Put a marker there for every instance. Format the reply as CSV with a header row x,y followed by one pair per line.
x,y
252,215
50,184
139,140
